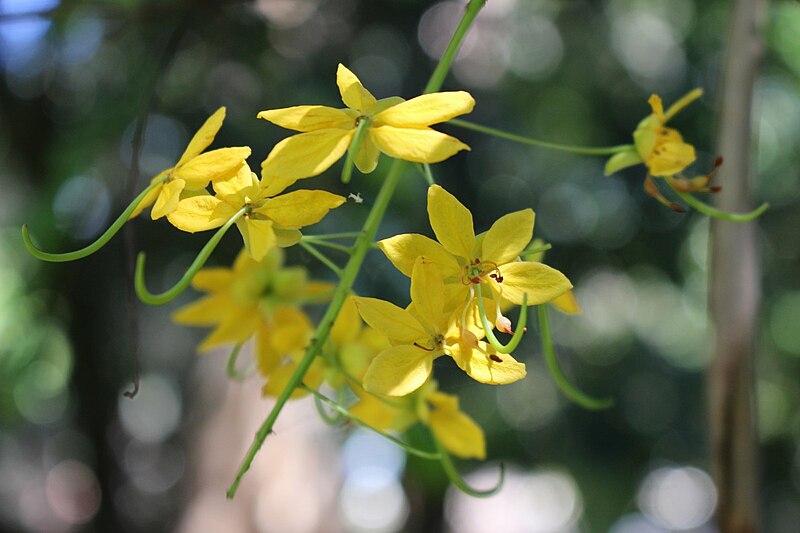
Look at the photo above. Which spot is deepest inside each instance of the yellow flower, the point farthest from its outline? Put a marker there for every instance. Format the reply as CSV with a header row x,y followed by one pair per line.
x,y
489,259
269,220
424,332
194,169
397,128
457,432
660,148
254,298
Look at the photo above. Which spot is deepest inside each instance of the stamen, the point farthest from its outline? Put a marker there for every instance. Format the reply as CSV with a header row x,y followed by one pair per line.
x,y
496,358
423,347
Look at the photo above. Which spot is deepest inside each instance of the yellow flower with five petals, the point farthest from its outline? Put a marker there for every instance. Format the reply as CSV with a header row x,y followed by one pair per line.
x,y
490,259
269,219
194,170
398,128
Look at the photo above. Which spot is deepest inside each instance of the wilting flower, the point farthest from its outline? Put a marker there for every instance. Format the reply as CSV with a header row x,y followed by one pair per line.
x,y
398,128
194,170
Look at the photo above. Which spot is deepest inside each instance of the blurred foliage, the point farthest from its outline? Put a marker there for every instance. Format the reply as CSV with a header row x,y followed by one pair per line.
x,y
77,76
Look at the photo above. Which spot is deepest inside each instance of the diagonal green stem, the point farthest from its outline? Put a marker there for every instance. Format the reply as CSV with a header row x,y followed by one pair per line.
x,y
487,327
167,296
363,244
230,367
96,245
355,146
717,213
458,481
585,150
344,412
322,258
326,244
566,387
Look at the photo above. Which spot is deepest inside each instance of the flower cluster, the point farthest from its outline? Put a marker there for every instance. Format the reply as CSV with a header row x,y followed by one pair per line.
x,y
375,356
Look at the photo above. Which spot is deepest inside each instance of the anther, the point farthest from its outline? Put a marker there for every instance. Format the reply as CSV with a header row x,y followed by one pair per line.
x,y
495,358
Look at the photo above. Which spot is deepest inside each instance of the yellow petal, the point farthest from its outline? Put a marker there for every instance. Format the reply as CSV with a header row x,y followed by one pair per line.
x,y
168,199
204,136
285,237
214,165
368,154
238,325
451,222
427,295
427,109
457,432
301,208
376,412
347,325
657,107
398,371
279,378
390,320
150,198
291,329
303,156
403,250
418,145
541,282
200,213
669,158
354,95
567,303
508,237
216,279
257,235
499,369
204,312
235,189
310,117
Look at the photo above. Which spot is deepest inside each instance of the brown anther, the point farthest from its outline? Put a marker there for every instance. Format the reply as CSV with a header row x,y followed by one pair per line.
x,y
476,279
715,188
718,162
499,279
677,207
476,261
495,358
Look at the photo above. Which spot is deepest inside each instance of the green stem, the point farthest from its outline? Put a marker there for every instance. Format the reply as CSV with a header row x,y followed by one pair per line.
x,y
96,245
344,412
326,244
364,243
487,327
530,252
458,481
585,150
355,146
561,380
167,296
717,213
425,171
307,246
231,369
330,236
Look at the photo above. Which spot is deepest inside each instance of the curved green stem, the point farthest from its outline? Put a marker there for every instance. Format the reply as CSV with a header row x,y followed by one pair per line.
x,y
329,236
364,243
584,150
487,327
167,296
458,481
561,380
344,412
96,245
230,368
355,146
717,213
425,171
331,420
